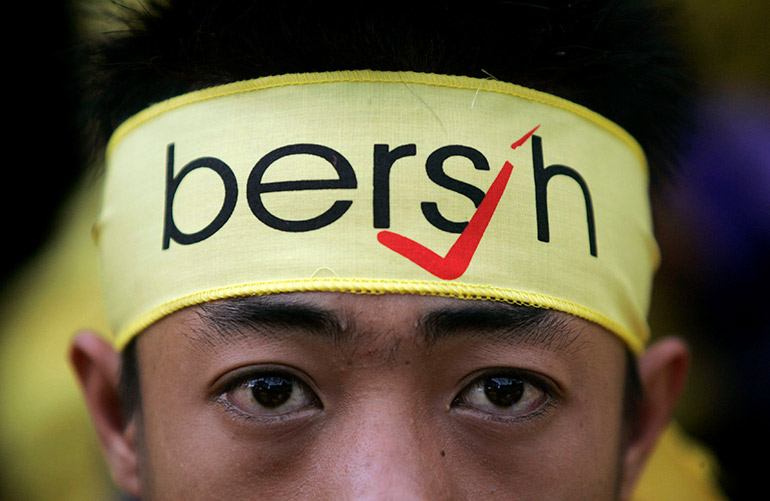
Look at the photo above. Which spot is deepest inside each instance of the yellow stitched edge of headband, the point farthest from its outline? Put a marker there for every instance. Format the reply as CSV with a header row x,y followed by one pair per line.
x,y
405,77
370,286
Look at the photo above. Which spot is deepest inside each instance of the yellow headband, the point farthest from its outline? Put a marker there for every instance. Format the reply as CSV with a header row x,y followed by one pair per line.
x,y
376,182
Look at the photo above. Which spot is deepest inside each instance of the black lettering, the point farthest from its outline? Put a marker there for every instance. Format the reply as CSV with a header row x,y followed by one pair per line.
x,y
170,230
255,187
542,176
384,158
434,166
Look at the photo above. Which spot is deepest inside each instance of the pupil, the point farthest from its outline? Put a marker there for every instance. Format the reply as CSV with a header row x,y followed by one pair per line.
x,y
271,391
503,391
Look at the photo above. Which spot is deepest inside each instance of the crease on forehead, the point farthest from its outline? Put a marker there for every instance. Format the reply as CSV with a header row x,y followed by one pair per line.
x,y
292,315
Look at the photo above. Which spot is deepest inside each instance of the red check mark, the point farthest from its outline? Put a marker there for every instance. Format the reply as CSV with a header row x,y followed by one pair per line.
x,y
460,254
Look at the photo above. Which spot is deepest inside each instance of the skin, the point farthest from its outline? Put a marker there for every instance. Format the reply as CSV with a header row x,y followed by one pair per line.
x,y
388,402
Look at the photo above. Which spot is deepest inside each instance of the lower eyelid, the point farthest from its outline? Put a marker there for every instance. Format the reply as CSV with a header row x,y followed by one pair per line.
x,y
268,419
541,412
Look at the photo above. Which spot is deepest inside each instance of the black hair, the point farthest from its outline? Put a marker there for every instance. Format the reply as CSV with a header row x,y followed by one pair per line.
x,y
129,388
616,57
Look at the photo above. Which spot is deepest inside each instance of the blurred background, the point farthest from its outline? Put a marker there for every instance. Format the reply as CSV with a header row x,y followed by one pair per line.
x,y
713,225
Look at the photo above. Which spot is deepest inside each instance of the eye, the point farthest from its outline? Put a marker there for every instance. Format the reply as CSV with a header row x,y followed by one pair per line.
x,y
504,395
270,393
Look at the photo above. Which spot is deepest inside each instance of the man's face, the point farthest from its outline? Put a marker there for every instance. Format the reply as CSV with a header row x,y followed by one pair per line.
x,y
322,395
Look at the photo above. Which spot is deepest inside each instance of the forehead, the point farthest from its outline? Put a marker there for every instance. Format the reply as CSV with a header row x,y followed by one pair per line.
x,y
348,322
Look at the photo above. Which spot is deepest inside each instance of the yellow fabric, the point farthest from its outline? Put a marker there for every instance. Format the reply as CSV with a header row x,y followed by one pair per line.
x,y
680,469
48,448
382,150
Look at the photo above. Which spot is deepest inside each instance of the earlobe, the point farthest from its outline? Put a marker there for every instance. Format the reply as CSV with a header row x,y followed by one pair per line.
x,y
97,366
663,375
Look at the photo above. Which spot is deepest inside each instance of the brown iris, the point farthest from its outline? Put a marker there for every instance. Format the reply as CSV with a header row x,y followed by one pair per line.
x,y
271,390
503,391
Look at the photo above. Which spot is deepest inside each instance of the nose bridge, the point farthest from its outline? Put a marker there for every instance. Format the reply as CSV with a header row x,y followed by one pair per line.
x,y
386,454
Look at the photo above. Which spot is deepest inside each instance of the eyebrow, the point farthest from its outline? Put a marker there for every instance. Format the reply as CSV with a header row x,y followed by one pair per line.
x,y
501,321
270,315
280,316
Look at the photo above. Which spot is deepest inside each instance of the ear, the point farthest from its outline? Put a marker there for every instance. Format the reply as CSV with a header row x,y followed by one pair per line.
x,y
97,366
663,374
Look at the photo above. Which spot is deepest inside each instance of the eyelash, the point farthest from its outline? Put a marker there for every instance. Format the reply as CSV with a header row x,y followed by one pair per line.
x,y
243,380
540,383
